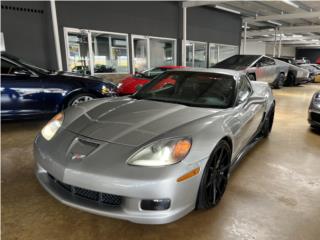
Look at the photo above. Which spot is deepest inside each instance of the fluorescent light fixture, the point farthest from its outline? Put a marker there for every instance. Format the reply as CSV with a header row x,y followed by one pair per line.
x,y
275,23
297,35
290,3
227,9
265,35
315,40
247,27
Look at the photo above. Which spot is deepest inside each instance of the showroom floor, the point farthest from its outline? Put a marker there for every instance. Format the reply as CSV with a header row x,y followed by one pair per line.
x,y
273,194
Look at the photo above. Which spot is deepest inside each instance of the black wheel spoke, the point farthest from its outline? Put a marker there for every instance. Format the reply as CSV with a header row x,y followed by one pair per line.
x,y
216,177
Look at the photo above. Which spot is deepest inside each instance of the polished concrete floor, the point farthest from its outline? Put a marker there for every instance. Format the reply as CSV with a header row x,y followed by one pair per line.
x,y
273,194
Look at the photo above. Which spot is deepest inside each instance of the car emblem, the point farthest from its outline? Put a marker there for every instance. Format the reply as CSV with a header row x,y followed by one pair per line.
x,y
77,156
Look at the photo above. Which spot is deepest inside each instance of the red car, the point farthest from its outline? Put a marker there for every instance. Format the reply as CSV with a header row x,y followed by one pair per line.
x,y
130,84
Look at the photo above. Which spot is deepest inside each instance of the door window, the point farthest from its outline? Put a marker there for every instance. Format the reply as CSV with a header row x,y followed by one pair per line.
x,y
244,90
7,67
264,61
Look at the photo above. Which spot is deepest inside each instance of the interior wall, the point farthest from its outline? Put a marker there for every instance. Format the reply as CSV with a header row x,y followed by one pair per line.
x,y
209,24
29,35
310,53
26,28
255,48
286,51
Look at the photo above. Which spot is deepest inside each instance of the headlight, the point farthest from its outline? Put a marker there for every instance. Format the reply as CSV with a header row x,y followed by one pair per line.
x,y
161,153
105,90
316,101
119,85
52,126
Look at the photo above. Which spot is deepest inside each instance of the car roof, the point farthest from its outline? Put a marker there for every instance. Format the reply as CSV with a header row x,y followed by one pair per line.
x,y
211,70
172,66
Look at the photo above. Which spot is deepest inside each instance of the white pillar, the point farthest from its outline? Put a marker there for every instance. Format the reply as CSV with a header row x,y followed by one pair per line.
x,y
274,42
245,38
279,48
56,33
184,37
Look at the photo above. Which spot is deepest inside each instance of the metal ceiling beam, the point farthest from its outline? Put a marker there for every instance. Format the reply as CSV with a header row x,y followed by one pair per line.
x,y
293,29
283,17
187,4
284,39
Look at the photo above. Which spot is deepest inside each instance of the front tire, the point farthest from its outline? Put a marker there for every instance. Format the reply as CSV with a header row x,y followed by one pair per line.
x,y
268,123
215,176
279,82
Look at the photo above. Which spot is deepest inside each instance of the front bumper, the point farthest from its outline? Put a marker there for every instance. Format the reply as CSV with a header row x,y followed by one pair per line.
x,y
133,187
314,118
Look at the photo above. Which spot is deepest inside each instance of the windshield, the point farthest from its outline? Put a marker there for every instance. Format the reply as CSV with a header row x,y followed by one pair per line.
x,y
191,88
237,62
151,73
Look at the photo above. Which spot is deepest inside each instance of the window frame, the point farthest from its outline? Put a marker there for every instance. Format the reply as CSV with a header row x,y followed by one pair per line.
x,y
193,50
245,77
136,36
67,30
218,50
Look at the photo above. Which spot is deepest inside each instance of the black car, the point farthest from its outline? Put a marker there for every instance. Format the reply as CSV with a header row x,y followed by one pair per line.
x,y
28,91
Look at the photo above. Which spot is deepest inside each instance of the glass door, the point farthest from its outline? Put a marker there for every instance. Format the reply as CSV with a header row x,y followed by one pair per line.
x,y
78,51
196,54
140,53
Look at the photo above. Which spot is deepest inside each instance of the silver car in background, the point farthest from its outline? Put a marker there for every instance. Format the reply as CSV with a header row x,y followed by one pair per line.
x,y
258,68
155,156
296,74
314,111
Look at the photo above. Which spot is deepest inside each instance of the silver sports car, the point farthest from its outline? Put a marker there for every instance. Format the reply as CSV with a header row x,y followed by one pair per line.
x,y
155,156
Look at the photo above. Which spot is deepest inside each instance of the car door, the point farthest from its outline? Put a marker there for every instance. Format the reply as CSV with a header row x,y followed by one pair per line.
x,y
267,69
21,90
250,113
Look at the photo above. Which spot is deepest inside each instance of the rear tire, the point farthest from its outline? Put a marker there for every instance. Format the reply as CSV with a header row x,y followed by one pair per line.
x,y
215,176
279,81
291,80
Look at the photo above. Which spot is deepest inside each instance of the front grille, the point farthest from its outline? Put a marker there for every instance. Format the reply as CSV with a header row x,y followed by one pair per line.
x,y
104,198
315,117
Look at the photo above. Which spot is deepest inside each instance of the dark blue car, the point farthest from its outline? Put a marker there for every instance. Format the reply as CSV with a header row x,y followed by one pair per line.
x,y
28,91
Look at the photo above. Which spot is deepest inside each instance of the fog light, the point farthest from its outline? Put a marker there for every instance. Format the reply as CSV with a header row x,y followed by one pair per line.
x,y
155,204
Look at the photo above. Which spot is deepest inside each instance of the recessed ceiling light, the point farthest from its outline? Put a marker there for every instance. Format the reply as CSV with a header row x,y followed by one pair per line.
x,y
290,3
227,9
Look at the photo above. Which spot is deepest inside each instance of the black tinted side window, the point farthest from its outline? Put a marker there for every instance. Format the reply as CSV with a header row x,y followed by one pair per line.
x,y
7,67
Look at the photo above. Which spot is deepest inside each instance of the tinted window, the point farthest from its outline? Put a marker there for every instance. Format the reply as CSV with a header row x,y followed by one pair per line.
x,y
244,89
237,62
266,62
191,88
7,67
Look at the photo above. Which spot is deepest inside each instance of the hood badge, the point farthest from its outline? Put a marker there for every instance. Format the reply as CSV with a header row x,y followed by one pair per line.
x,y
77,156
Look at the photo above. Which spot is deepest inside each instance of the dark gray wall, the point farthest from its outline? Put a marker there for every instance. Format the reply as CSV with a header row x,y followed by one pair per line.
x,y
207,24
310,53
29,35
26,27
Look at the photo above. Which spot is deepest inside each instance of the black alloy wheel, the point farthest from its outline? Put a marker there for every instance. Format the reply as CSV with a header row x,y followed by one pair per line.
x,y
215,177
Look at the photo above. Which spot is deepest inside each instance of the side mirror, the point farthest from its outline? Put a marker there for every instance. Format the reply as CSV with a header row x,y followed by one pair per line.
x,y
138,87
21,72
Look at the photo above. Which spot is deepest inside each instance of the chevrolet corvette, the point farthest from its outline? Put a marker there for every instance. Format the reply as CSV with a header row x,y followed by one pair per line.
x,y
155,156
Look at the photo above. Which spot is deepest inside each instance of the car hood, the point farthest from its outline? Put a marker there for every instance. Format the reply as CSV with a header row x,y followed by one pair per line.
x,y
129,121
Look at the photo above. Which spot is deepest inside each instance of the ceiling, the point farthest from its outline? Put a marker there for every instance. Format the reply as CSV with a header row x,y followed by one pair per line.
x,y
300,30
